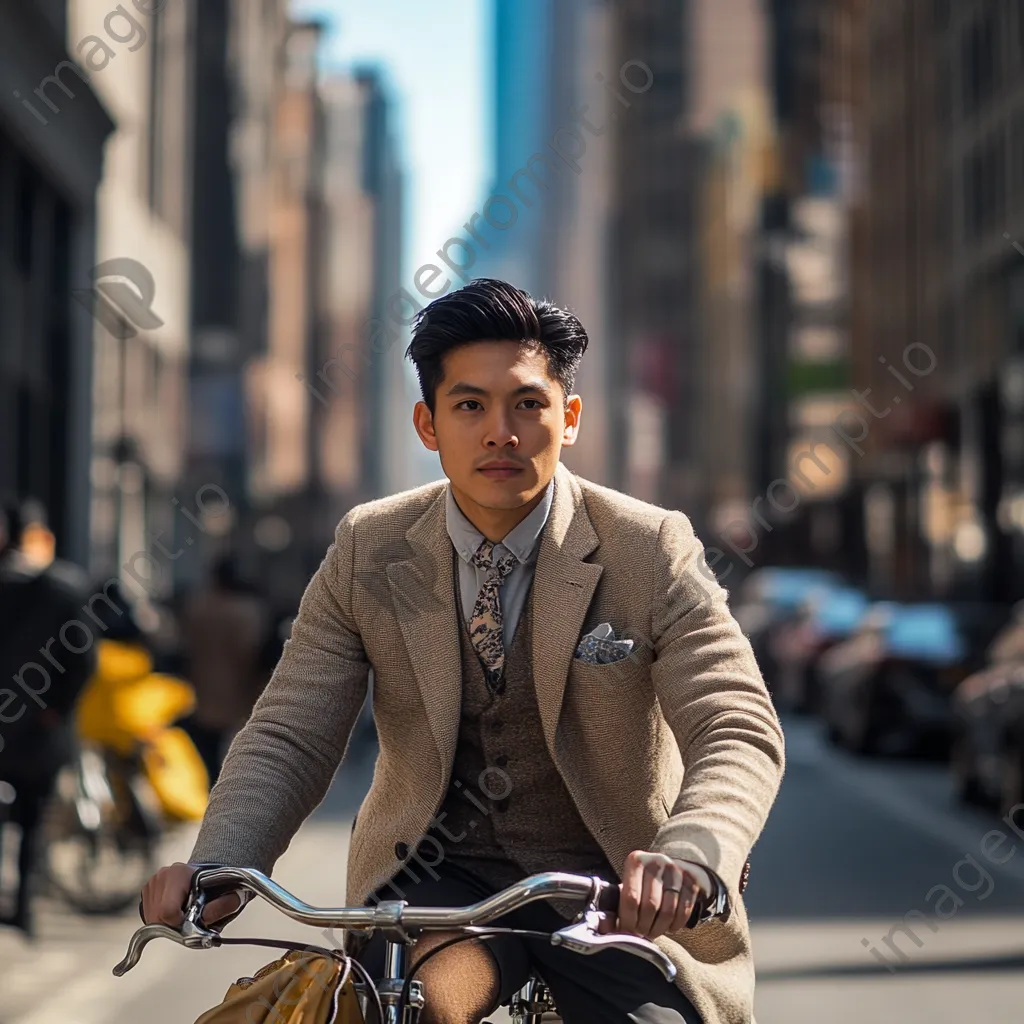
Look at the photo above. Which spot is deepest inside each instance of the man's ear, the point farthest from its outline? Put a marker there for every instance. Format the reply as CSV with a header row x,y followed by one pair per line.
x,y
573,412
423,421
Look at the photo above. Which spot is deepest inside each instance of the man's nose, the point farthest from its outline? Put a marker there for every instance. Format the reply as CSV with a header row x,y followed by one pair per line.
x,y
499,432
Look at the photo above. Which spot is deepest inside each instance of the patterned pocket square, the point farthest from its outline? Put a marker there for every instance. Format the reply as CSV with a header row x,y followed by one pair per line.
x,y
599,647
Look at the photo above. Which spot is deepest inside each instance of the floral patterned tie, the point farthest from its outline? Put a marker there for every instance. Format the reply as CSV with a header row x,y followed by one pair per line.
x,y
485,624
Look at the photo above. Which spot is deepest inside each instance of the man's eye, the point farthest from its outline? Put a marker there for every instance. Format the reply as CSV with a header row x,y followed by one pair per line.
x,y
469,401
537,404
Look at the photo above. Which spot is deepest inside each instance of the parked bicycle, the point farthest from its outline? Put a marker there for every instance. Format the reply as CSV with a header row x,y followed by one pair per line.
x,y
397,998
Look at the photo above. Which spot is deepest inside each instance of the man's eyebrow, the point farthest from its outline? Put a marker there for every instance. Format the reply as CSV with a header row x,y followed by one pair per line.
x,y
461,387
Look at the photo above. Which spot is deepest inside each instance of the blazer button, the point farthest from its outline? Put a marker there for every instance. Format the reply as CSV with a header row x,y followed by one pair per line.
x,y
401,850
501,760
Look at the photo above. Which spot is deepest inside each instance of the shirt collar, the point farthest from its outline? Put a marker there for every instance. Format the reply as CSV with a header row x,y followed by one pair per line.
x,y
521,541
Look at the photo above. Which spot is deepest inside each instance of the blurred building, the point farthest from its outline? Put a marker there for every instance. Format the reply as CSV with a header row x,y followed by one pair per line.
x,y
729,128
807,253
323,433
944,282
362,442
53,125
238,77
653,248
522,45
140,65
691,160
282,469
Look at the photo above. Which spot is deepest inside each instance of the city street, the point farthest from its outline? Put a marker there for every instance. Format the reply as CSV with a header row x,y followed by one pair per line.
x,y
852,847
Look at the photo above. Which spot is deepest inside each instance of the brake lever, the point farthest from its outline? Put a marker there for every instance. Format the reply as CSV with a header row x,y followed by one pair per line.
x,y
191,935
583,937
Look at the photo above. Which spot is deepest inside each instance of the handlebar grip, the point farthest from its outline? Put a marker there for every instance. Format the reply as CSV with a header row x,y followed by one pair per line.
x,y
608,897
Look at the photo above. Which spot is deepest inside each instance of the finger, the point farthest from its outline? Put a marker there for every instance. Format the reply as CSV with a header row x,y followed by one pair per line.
x,y
674,881
687,899
650,899
669,907
629,900
221,908
147,904
168,910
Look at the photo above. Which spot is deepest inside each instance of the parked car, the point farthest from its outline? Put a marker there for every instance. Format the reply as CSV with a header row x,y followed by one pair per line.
x,y
988,742
828,616
889,688
771,596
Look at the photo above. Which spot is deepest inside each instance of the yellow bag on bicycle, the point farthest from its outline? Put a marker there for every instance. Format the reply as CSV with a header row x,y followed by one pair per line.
x,y
177,774
299,988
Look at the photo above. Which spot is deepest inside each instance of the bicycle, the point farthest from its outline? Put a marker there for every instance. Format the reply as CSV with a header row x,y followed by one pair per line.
x,y
103,826
397,998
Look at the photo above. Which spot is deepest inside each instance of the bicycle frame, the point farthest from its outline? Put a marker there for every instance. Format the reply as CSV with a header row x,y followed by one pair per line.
x,y
527,1006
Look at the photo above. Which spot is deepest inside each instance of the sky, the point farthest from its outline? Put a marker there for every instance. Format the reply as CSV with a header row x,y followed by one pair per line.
x,y
435,59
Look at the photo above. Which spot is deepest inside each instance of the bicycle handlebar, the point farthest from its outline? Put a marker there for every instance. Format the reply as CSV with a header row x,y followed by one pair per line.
x,y
581,936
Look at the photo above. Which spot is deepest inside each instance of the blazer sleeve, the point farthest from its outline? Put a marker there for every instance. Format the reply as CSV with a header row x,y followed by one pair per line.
x,y
715,700
281,763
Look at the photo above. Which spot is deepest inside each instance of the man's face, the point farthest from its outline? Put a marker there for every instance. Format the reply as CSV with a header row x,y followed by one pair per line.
x,y
499,423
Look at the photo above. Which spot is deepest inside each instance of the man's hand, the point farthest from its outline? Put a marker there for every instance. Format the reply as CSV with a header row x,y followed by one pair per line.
x,y
657,895
164,895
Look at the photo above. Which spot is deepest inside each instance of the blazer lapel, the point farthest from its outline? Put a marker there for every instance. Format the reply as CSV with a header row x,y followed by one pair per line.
x,y
563,588
422,589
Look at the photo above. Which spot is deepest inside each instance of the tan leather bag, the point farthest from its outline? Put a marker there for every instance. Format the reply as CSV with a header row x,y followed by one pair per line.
x,y
299,988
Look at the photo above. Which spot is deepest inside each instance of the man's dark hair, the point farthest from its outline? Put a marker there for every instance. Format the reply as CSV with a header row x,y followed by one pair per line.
x,y
492,310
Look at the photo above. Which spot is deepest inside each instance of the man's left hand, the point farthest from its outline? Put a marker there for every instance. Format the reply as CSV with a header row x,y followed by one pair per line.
x,y
657,895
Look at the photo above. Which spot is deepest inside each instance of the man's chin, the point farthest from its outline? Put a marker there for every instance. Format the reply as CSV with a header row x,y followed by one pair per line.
x,y
501,494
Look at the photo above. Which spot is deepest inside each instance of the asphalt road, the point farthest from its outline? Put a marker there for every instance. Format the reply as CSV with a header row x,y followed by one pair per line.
x,y
852,847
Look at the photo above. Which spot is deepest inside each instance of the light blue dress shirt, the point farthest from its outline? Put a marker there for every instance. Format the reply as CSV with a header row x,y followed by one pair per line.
x,y
523,541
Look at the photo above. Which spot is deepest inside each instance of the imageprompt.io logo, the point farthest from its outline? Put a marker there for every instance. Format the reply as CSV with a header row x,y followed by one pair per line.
x,y
121,298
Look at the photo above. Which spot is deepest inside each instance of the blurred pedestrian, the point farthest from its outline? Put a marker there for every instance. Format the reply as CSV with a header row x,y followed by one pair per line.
x,y
44,674
223,631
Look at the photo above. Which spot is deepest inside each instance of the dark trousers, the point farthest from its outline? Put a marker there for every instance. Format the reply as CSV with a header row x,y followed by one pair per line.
x,y
27,812
611,987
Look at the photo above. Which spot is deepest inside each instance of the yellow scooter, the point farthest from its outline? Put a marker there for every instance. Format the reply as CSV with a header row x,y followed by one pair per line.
x,y
136,774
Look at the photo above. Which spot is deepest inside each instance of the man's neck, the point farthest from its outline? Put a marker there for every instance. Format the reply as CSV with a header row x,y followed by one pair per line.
x,y
495,523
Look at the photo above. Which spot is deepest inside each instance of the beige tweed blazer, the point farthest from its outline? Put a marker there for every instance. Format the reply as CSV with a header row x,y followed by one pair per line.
x,y
676,749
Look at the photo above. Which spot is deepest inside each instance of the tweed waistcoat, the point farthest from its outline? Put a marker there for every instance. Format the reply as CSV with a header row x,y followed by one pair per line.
x,y
507,813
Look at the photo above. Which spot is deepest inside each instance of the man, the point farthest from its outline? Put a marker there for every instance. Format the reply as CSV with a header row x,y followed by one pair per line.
x,y
472,600
38,595
223,629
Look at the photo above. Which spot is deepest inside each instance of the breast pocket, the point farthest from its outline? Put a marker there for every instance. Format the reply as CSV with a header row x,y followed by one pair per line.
x,y
615,677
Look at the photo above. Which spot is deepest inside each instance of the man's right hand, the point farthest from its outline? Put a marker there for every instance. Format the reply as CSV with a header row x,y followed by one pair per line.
x,y
164,895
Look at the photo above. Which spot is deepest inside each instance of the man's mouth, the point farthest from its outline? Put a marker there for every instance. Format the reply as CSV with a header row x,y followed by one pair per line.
x,y
500,470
